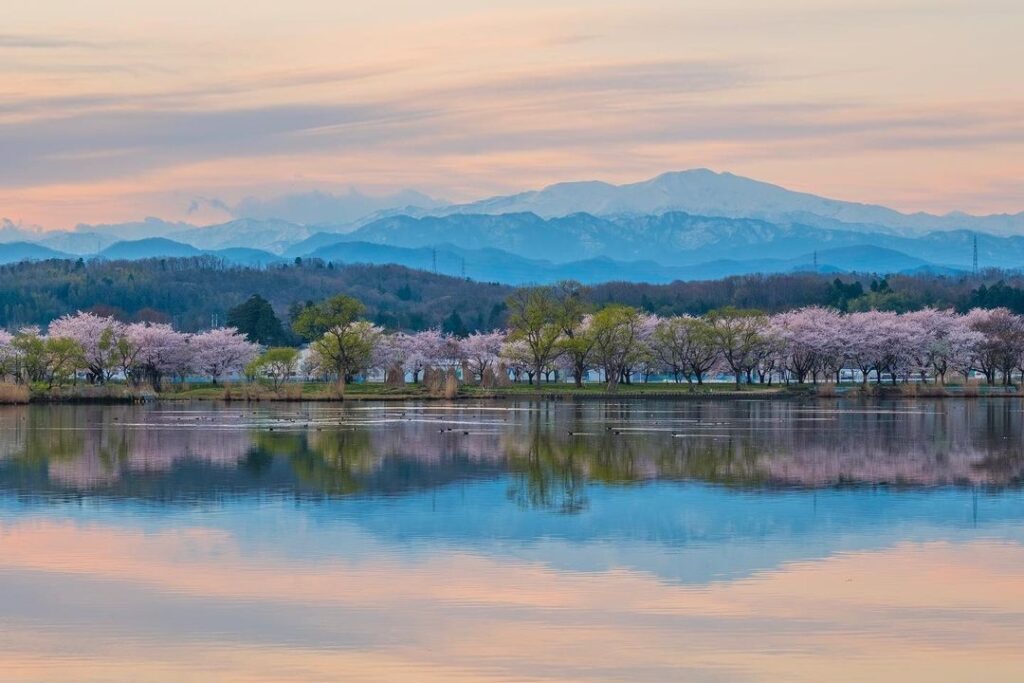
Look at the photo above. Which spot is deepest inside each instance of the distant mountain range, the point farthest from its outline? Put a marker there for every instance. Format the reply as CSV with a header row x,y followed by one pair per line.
x,y
706,193
134,250
688,225
495,265
671,239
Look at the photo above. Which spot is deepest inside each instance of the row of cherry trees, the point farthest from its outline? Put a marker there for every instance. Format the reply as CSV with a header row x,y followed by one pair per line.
x,y
809,344
547,340
100,348
623,344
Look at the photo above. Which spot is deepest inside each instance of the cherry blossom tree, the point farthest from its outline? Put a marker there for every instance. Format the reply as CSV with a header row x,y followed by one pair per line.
x,y
482,350
161,351
311,365
998,354
421,351
98,338
807,337
645,359
881,341
860,350
221,351
768,354
391,351
945,341
450,352
8,355
517,355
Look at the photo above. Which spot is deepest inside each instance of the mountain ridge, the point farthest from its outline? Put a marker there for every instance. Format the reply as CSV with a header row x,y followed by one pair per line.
x,y
726,219
495,265
706,192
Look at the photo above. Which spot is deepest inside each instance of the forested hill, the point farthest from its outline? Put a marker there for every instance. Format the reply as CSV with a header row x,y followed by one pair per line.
x,y
193,292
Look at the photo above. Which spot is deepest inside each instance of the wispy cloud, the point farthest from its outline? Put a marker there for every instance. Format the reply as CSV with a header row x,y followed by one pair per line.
x,y
462,101
32,41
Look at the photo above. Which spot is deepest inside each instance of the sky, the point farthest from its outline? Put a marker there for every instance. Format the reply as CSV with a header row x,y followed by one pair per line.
x,y
111,110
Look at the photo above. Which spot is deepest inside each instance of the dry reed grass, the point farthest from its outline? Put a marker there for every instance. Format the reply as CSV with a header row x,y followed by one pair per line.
x,y
11,393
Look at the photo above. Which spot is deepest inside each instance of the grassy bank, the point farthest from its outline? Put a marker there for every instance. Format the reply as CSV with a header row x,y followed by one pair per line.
x,y
317,391
376,392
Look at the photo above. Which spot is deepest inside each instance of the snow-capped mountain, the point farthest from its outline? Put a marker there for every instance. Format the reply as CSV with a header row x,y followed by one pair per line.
x,y
272,235
135,230
707,193
675,219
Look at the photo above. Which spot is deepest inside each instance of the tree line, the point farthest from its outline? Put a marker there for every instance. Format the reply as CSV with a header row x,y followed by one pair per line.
x,y
555,328
193,294
553,333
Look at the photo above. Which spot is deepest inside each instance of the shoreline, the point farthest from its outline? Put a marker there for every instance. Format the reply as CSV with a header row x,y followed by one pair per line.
x,y
360,393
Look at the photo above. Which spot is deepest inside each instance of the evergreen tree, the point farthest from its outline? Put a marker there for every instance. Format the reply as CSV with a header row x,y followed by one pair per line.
x,y
256,319
453,325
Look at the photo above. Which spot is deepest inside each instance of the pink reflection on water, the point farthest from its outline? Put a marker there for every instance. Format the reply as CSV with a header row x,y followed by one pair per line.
x,y
935,611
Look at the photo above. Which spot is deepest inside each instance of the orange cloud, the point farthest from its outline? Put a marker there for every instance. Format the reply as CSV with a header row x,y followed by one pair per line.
x,y
894,102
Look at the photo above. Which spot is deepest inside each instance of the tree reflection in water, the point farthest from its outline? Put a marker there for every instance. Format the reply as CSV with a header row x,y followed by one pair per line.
x,y
549,452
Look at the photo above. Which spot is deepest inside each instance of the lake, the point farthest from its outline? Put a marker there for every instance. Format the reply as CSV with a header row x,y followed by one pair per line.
x,y
513,541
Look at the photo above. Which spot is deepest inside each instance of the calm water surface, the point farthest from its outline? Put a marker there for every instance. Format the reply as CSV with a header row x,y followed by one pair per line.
x,y
725,541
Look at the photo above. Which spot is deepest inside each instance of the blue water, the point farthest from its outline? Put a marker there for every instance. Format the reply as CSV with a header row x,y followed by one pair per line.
x,y
123,529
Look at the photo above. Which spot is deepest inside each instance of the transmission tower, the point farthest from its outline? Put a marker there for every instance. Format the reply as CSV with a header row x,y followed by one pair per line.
x,y
433,257
975,253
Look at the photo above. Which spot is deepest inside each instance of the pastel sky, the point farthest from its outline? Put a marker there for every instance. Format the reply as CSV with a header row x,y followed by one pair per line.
x,y
111,110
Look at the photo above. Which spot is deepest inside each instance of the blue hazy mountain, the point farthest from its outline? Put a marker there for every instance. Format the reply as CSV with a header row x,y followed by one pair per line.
x,y
494,265
245,257
79,243
711,224
159,247
14,252
525,248
668,239
153,247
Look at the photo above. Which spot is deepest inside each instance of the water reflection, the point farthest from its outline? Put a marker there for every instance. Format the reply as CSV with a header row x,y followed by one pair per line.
x,y
591,541
551,452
